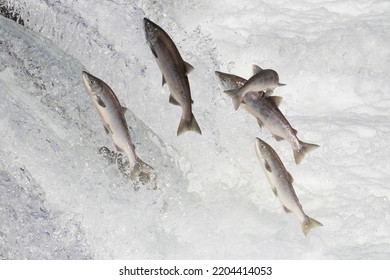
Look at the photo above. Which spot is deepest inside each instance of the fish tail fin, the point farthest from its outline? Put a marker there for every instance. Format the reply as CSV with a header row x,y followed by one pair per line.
x,y
141,170
304,149
308,224
188,125
236,99
231,92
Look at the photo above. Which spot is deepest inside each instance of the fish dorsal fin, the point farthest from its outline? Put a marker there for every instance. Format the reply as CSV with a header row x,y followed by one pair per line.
x,y
276,100
100,101
124,109
286,209
173,101
163,80
189,67
290,177
256,69
267,166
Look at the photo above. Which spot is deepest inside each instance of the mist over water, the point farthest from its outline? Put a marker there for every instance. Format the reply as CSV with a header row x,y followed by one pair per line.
x,y
60,199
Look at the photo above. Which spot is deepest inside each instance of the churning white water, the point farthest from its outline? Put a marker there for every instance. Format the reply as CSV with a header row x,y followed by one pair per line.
x,y
60,199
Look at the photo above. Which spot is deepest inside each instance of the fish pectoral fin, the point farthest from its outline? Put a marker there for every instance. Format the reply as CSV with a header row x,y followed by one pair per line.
x,y
274,190
106,130
276,100
277,138
290,177
286,209
256,69
99,101
154,52
267,166
163,80
173,101
281,85
259,122
189,67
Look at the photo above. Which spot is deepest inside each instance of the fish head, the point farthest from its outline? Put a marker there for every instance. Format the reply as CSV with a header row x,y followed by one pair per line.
x,y
152,31
229,81
271,79
263,150
92,84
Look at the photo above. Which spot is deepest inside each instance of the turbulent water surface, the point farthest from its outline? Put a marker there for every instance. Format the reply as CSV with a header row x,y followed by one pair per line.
x,y
61,199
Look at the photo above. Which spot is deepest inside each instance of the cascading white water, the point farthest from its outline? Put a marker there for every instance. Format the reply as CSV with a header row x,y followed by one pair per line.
x,y
60,199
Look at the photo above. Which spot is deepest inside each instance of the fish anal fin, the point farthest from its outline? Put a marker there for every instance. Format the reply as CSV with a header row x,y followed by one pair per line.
x,y
256,69
189,67
277,138
276,100
173,101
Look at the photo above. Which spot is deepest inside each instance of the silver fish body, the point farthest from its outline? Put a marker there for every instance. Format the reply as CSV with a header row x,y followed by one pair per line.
x,y
111,114
174,71
267,113
281,184
265,80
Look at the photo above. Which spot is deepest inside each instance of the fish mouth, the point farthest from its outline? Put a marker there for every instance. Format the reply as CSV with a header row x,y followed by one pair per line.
x,y
149,25
86,77
146,20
